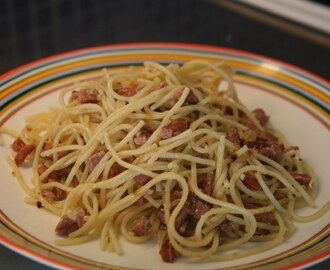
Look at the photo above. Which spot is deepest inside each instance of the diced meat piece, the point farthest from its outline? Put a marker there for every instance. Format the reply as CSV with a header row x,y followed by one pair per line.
x,y
190,229
175,198
143,135
167,251
65,171
68,225
233,136
266,217
249,205
181,218
191,117
204,156
266,136
54,194
206,185
229,111
141,226
129,159
174,128
115,170
42,169
18,144
85,96
226,226
95,158
249,136
263,135
279,195
250,181
251,125
140,202
274,151
161,216
142,179
48,146
75,181
54,176
302,178
190,99
261,116
127,91
195,206
23,153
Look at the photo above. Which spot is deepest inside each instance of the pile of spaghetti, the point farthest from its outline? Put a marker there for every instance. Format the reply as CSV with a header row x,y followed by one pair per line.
x,y
166,152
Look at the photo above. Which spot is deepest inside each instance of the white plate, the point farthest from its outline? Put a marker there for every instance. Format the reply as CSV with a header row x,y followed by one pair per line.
x,y
297,101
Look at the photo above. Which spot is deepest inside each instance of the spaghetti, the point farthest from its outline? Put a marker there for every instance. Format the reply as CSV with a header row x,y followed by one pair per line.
x,y
167,152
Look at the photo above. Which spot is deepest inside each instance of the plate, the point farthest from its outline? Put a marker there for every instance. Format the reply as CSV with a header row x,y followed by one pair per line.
x,y
297,101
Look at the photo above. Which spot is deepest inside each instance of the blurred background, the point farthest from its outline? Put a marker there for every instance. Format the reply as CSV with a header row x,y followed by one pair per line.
x,y
294,31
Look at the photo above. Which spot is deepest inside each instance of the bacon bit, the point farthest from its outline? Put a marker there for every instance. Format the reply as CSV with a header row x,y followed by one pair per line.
x,y
161,216
68,225
174,128
195,206
18,144
261,116
251,181
190,99
42,169
129,159
266,217
204,156
23,153
249,123
54,194
189,230
140,202
175,198
48,146
127,91
274,151
95,158
75,181
226,226
167,251
233,136
85,96
279,195
192,116
302,178
143,135
266,136
181,218
142,179
249,136
206,185
141,226
115,170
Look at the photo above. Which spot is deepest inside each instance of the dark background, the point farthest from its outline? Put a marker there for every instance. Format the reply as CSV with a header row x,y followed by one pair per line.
x,y
32,29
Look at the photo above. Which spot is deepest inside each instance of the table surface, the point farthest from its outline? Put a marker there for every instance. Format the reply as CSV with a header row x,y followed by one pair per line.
x,y
34,29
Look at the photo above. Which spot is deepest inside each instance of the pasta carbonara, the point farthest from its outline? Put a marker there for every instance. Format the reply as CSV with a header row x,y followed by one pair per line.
x,y
166,152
